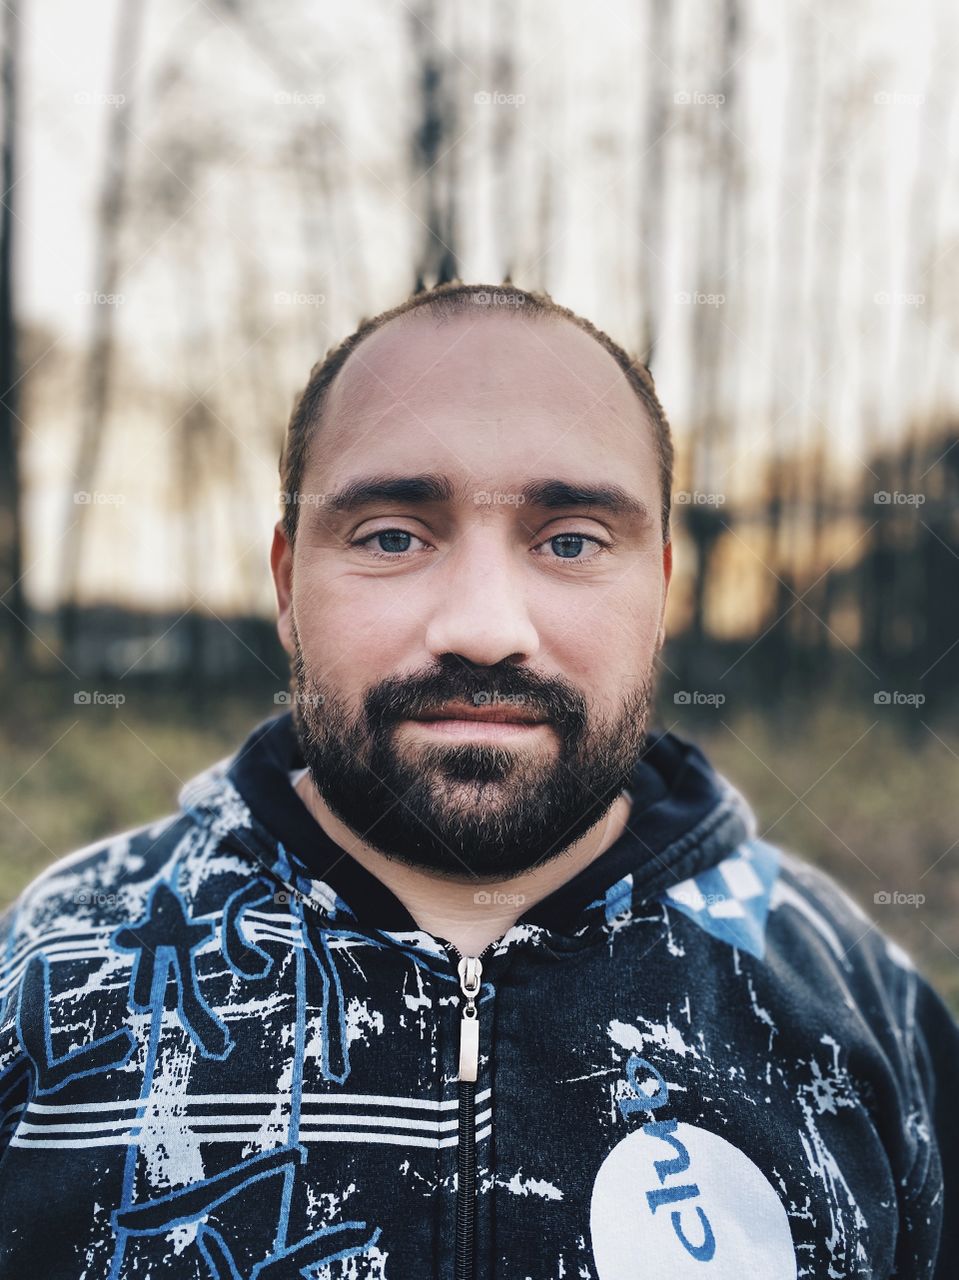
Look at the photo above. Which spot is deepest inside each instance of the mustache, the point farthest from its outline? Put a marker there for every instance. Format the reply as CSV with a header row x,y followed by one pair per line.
x,y
399,698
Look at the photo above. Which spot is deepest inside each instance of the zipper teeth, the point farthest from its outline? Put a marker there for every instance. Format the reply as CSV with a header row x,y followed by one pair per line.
x,y
479,955
464,1260
466,1183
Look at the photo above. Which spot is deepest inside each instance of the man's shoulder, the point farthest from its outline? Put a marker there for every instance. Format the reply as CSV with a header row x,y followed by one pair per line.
x,y
82,884
834,946
107,879
811,894
820,899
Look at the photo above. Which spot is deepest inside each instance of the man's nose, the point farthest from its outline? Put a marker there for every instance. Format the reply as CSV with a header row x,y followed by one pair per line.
x,y
480,610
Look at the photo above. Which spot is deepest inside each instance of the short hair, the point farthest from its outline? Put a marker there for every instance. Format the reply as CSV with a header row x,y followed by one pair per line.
x,y
444,301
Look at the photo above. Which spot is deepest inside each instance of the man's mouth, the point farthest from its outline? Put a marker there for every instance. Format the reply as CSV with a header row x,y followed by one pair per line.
x,y
498,713
461,719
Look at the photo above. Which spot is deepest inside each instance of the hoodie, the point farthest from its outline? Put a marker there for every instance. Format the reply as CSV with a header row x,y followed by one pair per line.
x,y
227,1051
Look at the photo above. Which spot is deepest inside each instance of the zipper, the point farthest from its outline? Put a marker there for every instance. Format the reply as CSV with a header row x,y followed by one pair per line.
x,y
470,971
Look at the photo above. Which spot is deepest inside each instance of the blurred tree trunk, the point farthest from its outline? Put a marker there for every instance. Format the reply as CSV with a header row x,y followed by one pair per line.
x,y
917,558
829,189
505,185
436,261
719,192
789,358
14,624
100,362
652,240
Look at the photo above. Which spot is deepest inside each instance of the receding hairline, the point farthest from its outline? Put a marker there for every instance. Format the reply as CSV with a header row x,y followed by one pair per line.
x,y
441,315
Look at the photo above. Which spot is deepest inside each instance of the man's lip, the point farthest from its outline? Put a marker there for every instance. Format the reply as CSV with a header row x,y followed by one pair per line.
x,y
488,715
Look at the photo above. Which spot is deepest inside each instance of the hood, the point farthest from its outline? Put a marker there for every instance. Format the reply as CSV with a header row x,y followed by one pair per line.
x,y
685,819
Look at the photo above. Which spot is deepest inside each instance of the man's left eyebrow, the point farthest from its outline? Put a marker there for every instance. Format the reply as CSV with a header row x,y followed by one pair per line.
x,y
611,498
355,494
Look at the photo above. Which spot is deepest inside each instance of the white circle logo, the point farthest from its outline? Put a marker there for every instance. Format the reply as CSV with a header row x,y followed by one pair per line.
x,y
672,1201
671,1197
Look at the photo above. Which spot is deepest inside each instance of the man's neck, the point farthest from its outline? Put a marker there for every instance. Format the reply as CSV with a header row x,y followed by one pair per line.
x,y
469,913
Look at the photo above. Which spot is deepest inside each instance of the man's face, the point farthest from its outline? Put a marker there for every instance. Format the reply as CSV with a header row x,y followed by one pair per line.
x,y
475,595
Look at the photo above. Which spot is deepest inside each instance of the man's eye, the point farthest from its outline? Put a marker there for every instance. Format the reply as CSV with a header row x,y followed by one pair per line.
x,y
394,542
567,546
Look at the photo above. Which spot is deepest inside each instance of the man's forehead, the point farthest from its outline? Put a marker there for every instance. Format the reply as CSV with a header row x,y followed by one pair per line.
x,y
482,361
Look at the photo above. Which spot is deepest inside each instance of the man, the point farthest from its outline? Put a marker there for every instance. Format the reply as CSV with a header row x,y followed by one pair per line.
x,y
455,969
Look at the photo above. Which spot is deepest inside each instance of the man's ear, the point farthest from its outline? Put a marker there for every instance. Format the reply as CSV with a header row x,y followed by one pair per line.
x,y
667,576
281,563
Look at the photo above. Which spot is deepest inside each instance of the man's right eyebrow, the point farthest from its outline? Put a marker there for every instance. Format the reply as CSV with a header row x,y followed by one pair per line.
x,y
416,489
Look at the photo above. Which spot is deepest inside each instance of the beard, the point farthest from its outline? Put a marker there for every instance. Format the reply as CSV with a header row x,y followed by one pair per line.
x,y
467,810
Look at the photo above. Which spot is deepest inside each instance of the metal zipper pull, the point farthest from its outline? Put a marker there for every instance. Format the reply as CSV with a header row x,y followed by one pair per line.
x,y
470,971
